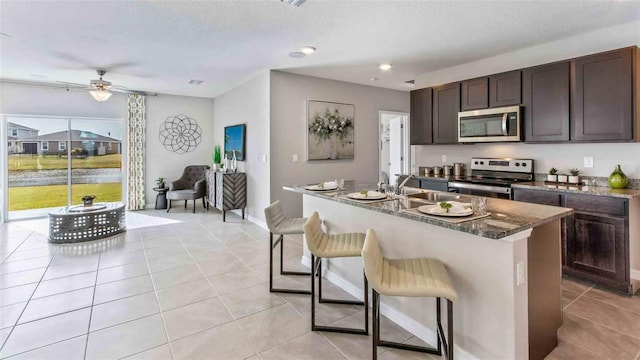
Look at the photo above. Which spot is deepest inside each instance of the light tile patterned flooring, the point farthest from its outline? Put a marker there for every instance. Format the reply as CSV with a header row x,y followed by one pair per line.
x,y
198,288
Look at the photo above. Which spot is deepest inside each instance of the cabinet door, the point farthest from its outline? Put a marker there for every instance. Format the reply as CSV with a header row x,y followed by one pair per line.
x,y
475,94
597,246
434,185
446,105
537,197
602,95
546,101
421,123
505,89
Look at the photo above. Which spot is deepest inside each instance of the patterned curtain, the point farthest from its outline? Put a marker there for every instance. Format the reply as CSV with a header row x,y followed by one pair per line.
x,y
136,123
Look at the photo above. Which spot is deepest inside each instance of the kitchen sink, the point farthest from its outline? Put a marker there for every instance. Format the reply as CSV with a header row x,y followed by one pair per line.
x,y
434,197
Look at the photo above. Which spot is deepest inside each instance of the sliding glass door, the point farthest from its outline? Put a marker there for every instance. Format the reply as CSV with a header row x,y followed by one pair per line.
x,y
53,161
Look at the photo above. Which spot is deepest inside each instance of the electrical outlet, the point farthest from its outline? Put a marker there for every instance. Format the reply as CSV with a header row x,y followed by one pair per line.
x,y
295,158
588,161
444,158
520,273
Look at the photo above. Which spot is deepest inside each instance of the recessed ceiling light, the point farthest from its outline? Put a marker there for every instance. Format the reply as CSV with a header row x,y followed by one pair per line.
x,y
195,82
385,67
373,78
308,50
297,54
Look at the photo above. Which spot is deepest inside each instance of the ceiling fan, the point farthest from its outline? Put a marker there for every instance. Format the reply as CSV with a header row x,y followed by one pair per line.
x,y
101,90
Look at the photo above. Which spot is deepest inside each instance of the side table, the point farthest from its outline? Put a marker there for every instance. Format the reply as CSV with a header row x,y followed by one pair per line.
x,y
161,198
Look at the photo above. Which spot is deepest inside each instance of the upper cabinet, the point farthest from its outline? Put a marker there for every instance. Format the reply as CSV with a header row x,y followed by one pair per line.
x,y
602,89
446,105
475,94
546,102
505,89
421,115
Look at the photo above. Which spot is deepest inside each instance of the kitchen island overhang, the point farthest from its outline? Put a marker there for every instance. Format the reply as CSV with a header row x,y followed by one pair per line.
x,y
505,268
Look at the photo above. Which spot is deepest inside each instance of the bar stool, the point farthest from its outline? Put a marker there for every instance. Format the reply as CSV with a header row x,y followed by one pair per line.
x,y
321,246
408,277
280,225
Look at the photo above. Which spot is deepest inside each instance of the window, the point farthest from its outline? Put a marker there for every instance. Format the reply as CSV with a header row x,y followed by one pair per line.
x,y
109,146
62,145
45,145
14,132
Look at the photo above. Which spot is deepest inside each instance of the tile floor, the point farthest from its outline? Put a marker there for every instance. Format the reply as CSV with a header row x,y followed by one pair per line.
x,y
194,288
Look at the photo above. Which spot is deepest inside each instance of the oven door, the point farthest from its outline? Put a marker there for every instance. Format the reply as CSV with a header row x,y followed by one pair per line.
x,y
480,190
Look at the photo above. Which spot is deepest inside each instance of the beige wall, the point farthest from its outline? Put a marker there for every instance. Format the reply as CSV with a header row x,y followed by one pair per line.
x,y
249,104
289,94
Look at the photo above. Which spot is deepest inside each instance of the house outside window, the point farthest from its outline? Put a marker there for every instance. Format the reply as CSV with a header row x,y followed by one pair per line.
x,y
14,132
62,145
45,145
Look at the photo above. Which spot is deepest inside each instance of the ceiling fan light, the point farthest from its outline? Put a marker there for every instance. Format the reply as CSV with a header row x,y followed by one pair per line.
x,y
100,95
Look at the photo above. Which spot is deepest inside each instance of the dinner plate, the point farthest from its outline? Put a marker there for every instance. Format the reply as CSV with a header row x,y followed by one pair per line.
x,y
371,195
326,187
438,211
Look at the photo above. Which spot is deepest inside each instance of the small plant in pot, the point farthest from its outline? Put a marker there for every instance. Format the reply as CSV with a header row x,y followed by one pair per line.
x,y
574,178
87,200
160,182
217,158
563,178
553,175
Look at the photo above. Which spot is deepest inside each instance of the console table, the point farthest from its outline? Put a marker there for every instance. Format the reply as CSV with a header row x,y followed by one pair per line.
x,y
227,191
78,223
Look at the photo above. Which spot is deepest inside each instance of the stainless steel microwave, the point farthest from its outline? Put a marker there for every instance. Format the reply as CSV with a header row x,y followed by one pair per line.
x,y
490,125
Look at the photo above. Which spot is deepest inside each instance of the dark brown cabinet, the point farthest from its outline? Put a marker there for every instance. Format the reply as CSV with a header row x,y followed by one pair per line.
x,y
546,102
595,239
421,117
602,97
505,89
475,94
446,105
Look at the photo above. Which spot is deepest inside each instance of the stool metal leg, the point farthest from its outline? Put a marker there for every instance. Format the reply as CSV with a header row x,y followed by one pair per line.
x,y
280,242
316,268
447,342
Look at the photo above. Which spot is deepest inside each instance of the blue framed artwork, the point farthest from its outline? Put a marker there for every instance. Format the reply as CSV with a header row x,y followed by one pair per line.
x,y
234,139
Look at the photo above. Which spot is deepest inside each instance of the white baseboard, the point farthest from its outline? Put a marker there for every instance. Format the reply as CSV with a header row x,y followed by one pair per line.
x,y
635,274
258,222
417,329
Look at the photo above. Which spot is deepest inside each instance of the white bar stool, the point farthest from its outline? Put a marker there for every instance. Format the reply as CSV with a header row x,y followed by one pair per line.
x,y
420,277
280,225
322,245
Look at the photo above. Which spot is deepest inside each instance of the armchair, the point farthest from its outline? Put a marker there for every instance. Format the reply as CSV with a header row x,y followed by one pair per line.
x,y
192,185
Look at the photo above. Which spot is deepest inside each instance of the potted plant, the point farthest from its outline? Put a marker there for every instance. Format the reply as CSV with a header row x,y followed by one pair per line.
x,y
575,176
217,159
563,178
87,200
160,182
553,175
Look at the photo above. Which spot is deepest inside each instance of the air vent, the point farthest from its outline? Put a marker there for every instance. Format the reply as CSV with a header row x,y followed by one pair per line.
x,y
195,82
293,2
410,82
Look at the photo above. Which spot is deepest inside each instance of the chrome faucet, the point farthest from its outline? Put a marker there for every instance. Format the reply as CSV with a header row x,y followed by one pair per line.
x,y
400,187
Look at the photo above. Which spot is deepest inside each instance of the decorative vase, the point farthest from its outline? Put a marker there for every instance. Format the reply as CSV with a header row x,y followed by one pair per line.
x,y
617,179
562,178
335,147
216,167
552,178
234,162
88,203
574,179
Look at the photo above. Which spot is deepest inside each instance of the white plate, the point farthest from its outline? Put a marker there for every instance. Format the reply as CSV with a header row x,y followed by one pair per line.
x,y
371,195
437,210
327,187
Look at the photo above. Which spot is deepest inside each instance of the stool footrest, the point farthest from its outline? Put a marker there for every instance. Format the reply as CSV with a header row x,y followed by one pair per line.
x,y
290,291
343,302
296,273
401,346
339,330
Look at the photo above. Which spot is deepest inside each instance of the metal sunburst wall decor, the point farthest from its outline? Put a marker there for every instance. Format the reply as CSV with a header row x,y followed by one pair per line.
x,y
180,134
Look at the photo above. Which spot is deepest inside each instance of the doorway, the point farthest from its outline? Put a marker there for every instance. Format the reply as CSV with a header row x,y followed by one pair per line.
x,y
393,145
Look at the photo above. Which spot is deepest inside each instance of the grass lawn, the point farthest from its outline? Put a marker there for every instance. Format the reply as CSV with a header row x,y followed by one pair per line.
x,y
36,197
51,162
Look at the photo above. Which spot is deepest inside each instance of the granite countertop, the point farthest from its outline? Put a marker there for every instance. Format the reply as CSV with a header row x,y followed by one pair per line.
x,y
507,217
579,189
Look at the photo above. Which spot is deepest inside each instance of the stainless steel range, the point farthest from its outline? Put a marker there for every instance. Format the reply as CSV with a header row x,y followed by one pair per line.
x,y
493,177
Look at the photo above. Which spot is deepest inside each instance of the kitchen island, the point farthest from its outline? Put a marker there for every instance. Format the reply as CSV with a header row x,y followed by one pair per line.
x,y
505,268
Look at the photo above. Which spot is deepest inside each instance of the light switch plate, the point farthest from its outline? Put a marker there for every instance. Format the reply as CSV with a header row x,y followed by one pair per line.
x,y
295,158
520,273
588,161
444,158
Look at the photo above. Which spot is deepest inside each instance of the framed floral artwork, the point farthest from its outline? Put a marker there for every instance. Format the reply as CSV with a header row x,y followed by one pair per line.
x,y
330,129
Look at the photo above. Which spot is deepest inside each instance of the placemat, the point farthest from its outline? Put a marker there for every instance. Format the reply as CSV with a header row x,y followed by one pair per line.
x,y
454,220
365,201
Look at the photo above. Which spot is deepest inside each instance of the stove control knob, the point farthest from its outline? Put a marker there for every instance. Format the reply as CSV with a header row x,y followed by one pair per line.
x,y
517,164
475,163
524,164
481,162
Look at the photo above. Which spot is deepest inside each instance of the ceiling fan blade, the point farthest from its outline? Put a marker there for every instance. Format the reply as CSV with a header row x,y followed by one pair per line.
x,y
121,91
73,84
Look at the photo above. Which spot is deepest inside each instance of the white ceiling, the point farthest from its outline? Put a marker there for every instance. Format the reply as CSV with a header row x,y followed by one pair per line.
x,y
160,46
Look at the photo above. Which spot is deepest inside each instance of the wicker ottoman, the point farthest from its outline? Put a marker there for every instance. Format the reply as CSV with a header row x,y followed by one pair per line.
x,y
76,223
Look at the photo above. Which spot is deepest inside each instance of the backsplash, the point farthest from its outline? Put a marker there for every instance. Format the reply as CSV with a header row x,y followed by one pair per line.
x,y
561,156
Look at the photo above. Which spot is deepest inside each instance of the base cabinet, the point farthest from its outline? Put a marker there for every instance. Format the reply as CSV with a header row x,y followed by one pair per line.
x,y
595,239
227,191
